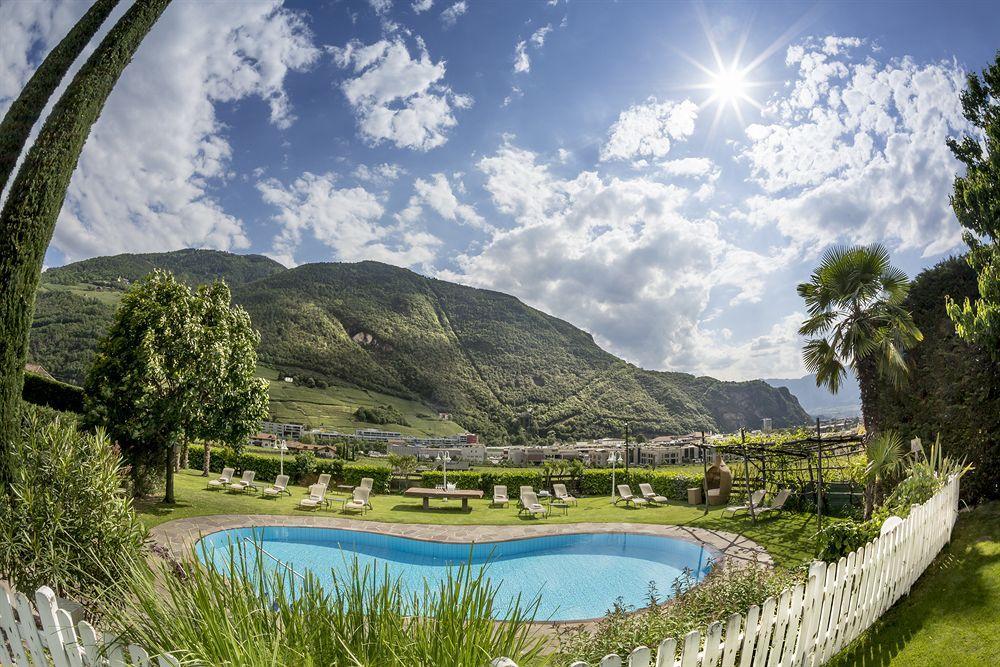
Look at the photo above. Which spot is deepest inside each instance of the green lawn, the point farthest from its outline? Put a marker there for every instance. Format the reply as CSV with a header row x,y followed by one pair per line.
x,y
952,616
334,407
789,537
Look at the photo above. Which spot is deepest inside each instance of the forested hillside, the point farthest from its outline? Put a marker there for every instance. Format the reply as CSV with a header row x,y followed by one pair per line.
x,y
500,367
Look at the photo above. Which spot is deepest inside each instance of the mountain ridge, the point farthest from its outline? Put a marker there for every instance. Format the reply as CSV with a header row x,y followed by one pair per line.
x,y
503,368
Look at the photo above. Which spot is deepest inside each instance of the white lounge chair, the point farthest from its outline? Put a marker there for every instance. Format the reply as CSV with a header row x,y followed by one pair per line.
x,y
317,497
778,504
324,479
500,495
280,486
756,500
225,478
245,483
625,493
367,482
562,495
652,496
359,501
530,504
520,494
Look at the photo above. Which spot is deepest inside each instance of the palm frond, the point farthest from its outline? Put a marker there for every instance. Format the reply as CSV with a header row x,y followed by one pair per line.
x,y
821,358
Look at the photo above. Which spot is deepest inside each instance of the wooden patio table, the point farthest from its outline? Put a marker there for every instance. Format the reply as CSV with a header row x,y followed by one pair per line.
x,y
442,494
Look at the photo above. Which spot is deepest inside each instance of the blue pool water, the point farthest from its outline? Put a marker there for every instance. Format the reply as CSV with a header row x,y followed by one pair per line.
x,y
576,576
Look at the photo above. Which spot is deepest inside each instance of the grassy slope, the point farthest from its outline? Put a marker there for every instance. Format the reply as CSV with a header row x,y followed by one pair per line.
x,y
952,616
788,538
334,408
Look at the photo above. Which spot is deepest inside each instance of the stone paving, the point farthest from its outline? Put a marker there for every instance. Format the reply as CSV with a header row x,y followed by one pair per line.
x,y
179,536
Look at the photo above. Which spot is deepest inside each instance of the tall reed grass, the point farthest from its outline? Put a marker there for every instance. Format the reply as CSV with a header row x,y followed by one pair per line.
x,y
245,612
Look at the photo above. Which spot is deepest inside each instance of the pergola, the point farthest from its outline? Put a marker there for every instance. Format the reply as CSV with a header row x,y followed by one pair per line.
x,y
778,463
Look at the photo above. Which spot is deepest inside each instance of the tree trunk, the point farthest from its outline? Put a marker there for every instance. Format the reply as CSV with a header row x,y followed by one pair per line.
x,y
868,384
36,197
206,464
168,496
28,107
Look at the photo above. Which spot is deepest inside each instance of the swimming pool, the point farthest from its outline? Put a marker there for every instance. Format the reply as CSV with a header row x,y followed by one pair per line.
x,y
576,576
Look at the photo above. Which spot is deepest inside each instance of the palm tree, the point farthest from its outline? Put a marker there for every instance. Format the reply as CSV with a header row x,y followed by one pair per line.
x,y
857,321
885,456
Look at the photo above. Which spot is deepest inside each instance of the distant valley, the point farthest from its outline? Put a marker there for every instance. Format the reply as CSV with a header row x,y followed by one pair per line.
x,y
499,367
819,402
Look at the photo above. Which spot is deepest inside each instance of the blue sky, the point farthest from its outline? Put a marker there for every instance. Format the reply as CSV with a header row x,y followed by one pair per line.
x,y
570,153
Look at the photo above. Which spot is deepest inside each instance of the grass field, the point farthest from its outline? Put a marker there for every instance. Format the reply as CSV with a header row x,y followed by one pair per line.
x,y
789,537
86,291
334,407
952,616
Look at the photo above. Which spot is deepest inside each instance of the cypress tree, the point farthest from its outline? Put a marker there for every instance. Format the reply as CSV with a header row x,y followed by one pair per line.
x,y
36,196
24,112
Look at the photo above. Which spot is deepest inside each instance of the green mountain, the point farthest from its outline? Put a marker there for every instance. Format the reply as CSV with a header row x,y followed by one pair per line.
x,y
500,367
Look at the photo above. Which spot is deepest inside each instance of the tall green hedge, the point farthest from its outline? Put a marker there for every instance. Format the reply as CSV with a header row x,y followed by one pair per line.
x,y
41,390
670,483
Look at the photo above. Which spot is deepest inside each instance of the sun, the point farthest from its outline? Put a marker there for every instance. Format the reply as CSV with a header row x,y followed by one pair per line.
x,y
728,85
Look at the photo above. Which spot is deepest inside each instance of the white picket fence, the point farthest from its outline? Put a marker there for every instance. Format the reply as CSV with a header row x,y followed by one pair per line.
x,y
58,641
810,623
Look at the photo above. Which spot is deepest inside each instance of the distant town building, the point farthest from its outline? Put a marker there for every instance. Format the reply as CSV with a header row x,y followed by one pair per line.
x,y
471,452
767,425
263,439
282,430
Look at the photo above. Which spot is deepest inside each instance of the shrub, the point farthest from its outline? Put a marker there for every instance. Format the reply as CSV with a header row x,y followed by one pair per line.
x,y
304,464
63,521
353,472
512,478
380,414
57,395
246,614
837,540
724,591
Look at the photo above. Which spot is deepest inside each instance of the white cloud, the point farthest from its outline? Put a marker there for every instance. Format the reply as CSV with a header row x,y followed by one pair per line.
x,y
690,167
381,7
437,194
522,63
422,6
775,353
379,175
450,16
346,220
399,98
614,256
855,150
146,175
648,130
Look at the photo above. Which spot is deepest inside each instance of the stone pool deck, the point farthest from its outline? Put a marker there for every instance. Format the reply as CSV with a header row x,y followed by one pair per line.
x,y
180,535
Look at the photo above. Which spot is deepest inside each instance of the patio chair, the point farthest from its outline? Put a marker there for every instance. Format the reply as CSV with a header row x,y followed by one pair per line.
x,y
756,499
317,497
652,496
360,500
245,483
500,495
625,493
520,494
562,495
280,486
777,505
367,482
225,478
530,504
324,479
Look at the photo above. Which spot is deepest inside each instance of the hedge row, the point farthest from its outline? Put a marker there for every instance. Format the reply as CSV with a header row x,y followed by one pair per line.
x,y
595,482
670,483
267,468
41,390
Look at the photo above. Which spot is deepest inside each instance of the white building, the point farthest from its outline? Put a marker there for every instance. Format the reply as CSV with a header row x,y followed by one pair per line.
x,y
287,431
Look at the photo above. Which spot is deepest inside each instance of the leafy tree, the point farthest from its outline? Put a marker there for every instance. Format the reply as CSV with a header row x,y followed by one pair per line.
x,y
25,111
177,365
402,464
855,302
36,196
976,200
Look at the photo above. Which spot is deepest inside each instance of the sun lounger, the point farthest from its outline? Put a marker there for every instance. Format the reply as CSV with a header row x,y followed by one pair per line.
x,y
225,478
520,494
500,495
280,486
317,497
367,482
652,496
246,483
625,493
324,479
360,500
530,504
562,495
756,499
778,504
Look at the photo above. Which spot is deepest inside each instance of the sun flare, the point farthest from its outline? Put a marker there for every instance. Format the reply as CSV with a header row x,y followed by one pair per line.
x,y
728,85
